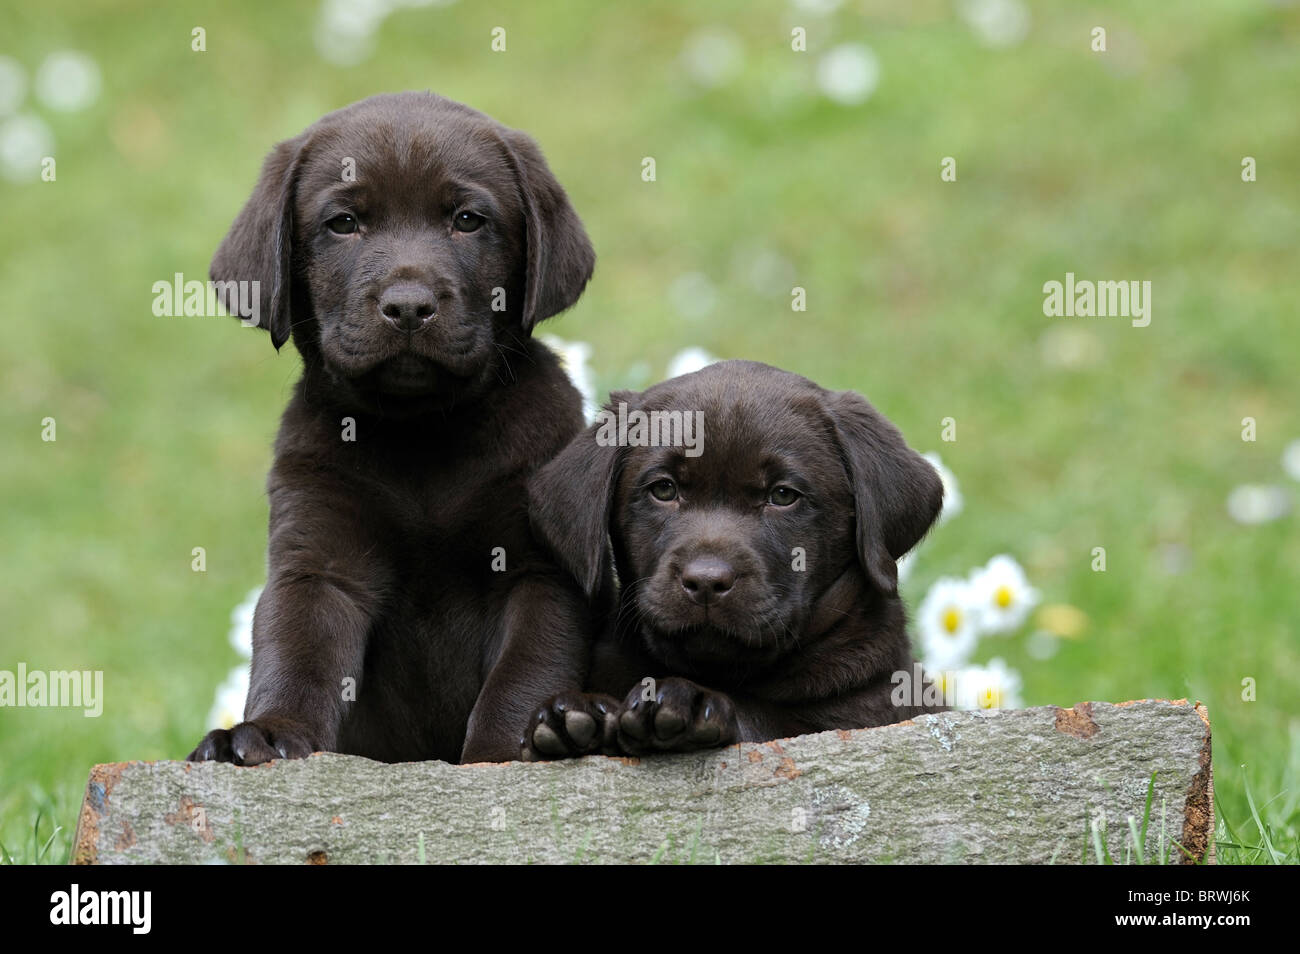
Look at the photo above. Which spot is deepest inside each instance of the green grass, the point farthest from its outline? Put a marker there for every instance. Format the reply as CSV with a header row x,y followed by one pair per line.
x,y
924,295
1135,846
48,839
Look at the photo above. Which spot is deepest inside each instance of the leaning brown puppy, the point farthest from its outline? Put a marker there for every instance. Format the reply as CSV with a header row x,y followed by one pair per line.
x,y
759,590
408,245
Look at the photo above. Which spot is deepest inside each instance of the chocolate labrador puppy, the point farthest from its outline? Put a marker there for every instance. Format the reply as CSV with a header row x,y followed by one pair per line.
x,y
408,245
755,520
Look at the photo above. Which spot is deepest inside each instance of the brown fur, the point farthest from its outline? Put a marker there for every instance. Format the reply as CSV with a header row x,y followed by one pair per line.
x,y
740,642
380,563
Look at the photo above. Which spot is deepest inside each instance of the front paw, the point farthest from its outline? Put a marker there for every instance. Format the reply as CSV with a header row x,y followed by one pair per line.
x,y
675,715
255,742
571,724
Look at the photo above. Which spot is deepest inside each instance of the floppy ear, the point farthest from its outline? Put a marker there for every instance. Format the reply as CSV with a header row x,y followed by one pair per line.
x,y
560,258
259,245
897,495
570,502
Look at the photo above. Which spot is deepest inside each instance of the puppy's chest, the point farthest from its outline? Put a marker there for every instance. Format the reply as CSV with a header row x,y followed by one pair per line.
x,y
443,503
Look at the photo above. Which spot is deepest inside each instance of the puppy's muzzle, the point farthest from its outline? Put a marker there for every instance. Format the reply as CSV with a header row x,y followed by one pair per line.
x,y
707,580
408,306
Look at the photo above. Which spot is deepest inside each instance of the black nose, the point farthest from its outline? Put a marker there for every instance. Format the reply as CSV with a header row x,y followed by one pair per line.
x,y
407,306
707,579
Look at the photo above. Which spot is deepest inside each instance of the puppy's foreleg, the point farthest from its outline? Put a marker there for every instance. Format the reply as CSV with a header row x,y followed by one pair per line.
x,y
544,650
309,637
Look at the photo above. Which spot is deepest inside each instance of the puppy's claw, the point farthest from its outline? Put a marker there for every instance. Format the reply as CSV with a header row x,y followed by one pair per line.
x,y
215,747
252,743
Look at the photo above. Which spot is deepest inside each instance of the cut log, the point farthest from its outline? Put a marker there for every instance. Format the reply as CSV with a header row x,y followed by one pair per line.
x,y
1028,785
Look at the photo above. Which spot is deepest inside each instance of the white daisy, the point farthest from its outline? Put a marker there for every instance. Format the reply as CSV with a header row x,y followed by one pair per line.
x,y
848,73
1257,503
241,624
574,356
228,707
1002,595
25,140
688,361
68,81
952,498
1291,460
946,623
992,686
345,32
997,23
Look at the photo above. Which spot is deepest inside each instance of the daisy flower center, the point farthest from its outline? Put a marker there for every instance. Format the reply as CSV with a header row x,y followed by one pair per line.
x,y
952,619
1003,596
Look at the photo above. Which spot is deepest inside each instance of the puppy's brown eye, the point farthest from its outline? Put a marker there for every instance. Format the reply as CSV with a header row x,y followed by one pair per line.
x,y
467,221
664,490
783,496
344,224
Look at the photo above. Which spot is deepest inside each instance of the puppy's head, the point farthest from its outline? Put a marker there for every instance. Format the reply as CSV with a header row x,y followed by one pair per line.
x,y
405,241
725,542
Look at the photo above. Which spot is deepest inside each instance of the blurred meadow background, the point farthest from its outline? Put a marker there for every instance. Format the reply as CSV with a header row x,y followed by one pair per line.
x,y
775,168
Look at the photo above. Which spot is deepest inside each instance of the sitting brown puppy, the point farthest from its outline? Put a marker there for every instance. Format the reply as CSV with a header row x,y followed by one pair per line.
x,y
759,589
408,245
